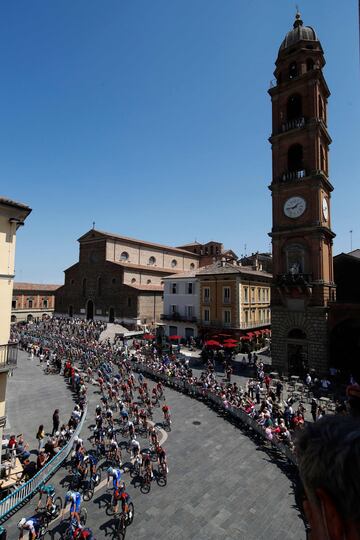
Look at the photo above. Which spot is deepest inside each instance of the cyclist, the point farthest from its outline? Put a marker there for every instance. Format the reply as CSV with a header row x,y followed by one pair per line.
x,y
115,451
153,437
32,525
131,429
162,461
49,491
125,501
92,461
147,465
74,498
115,474
83,534
135,448
160,390
117,496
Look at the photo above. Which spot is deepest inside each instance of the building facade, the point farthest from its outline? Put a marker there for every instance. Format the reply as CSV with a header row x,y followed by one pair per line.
x,y
32,301
234,298
301,235
181,305
120,279
12,216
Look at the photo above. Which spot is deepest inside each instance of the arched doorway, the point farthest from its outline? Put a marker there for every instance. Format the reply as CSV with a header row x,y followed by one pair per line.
x,y
90,310
29,318
345,348
297,352
111,315
71,311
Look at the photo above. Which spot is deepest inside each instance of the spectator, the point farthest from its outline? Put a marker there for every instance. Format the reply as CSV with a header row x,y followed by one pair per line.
x,y
313,409
329,466
40,435
56,422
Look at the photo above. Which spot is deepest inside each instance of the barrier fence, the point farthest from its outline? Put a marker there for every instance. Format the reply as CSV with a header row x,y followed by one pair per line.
x,y
27,490
235,412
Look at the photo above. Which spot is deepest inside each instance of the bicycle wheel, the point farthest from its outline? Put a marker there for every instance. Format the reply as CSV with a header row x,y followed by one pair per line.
x,y
83,516
120,528
130,517
88,492
58,506
42,531
97,479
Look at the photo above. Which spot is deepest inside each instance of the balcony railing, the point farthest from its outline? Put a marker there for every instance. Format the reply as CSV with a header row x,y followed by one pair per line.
x,y
293,124
177,317
8,356
292,279
290,176
241,326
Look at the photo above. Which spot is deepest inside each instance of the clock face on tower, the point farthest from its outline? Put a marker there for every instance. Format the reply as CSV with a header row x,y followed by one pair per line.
x,y
325,209
294,207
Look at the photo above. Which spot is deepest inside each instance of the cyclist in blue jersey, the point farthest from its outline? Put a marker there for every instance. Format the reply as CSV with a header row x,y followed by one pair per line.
x,y
74,498
115,474
31,524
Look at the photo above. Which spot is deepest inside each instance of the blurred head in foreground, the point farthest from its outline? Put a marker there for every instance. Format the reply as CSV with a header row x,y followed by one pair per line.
x,y
329,464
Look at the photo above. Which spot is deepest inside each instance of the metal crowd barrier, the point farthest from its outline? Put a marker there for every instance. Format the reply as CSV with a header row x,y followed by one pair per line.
x,y
17,497
198,391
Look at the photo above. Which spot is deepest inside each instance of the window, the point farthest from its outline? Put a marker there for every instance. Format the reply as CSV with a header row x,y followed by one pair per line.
x,y
173,309
295,258
129,301
148,281
246,314
323,166
253,294
246,295
206,294
174,263
226,295
192,266
259,295
190,288
295,158
174,288
72,282
321,108
133,280
30,303
13,304
113,281
309,64
206,315
124,256
293,70
84,287
152,261
227,316
294,107
99,286
189,312
45,303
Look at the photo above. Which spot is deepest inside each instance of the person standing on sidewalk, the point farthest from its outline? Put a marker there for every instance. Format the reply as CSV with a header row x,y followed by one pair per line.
x,y
56,422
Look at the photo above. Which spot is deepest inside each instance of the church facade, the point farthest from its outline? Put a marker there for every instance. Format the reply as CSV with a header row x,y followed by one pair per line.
x,y
119,278
302,239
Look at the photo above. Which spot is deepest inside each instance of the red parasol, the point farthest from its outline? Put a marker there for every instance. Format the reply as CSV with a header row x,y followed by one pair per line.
x,y
148,336
230,345
212,343
244,338
230,340
174,338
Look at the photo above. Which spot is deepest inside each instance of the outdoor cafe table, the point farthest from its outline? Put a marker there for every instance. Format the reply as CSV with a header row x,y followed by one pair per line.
x,y
13,477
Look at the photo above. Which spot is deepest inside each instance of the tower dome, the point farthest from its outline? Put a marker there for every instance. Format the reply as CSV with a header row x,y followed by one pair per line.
x,y
298,33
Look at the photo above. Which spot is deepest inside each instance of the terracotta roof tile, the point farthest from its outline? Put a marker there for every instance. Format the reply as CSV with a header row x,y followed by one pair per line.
x,y
145,287
20,286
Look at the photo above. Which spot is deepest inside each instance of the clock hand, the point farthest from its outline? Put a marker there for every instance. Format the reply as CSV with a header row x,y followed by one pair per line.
x,y
293,207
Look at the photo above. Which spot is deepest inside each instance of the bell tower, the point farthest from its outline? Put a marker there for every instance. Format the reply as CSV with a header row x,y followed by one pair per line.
x,y
302,238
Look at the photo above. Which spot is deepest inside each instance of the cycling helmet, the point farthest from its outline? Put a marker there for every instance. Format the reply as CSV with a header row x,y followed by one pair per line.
x,y
69,494
21,523
110,470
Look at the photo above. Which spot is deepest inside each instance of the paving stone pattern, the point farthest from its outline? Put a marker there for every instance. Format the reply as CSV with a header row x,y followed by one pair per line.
x,y
220,484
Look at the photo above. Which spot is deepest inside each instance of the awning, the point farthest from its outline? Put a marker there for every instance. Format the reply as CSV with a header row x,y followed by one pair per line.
x,y
250,334
212,343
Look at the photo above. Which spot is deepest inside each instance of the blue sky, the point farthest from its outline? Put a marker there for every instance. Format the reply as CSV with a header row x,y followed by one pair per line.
x,y
152,118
